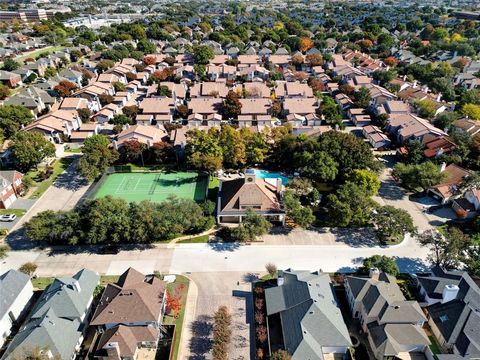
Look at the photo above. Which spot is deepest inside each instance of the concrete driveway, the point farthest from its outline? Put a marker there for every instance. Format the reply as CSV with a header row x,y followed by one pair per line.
x,y
64,194
215,289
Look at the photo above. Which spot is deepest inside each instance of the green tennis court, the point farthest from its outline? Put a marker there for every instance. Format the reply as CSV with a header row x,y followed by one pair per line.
x,y
157,187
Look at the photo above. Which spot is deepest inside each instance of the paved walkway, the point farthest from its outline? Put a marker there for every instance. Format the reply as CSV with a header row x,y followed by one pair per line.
x,y
189,318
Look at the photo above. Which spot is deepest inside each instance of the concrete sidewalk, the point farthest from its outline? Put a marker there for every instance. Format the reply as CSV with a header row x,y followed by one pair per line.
x,y
189,318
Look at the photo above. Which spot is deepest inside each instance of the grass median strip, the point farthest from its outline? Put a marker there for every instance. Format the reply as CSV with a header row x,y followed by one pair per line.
x,y
195,240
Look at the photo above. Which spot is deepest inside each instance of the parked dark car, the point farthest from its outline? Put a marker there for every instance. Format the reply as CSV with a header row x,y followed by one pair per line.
x,y
109,250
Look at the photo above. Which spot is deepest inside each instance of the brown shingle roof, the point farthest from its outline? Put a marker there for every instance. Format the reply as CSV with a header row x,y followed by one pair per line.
x,y
132,299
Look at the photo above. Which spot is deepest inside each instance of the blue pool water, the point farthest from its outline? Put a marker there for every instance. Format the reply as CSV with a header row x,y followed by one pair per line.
x,y
264,174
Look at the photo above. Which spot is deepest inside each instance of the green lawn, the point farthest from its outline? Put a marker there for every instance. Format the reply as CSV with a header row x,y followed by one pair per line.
x,y
59,167
434,346
18,212
178,322
42,282
195,240
34,54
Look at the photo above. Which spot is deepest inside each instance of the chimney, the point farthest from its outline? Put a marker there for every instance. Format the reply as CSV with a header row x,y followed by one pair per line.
x,y
443,166
280,279
250,176
279,185
76,286
415,84
449,293
439,97
373,274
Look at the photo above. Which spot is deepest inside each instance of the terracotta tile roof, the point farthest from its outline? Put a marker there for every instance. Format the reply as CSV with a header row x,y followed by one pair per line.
x,y
440,145
455,175
248,59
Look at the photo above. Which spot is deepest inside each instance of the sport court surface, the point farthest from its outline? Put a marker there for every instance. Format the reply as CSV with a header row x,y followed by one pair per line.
x,y
157,187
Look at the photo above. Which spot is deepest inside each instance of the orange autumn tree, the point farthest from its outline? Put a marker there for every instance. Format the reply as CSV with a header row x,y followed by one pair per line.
x,y
305,44
173,303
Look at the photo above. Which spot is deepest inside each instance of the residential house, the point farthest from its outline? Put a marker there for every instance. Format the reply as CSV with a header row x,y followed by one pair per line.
x,y
161,108
106,113
56,125
255,111
179,91
295,108
84,132
147,135
72,75
263,196
17,293
209,89
303,310
379,95
292,90
10,79
376,137
406,127
254,73
11,187
438,146
468,205
449,188
471,127
253,90
92,92
393,325
453,300
393,107
129,316
58,322
205,106
222,71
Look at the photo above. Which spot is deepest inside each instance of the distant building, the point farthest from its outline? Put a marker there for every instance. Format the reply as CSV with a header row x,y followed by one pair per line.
x,y
25,15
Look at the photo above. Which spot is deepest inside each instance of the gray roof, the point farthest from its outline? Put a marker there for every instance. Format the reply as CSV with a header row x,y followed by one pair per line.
x,y
11,285
56,320
383,299
304,301
391,339
458,320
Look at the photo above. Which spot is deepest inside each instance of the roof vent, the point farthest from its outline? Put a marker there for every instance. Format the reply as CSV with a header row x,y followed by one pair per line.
x,y
396,307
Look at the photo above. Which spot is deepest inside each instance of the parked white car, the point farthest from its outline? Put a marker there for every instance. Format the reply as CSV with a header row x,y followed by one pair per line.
x,y
8,217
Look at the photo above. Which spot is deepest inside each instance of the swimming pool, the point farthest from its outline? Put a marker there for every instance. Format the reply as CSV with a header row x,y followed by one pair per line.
x,y
264,174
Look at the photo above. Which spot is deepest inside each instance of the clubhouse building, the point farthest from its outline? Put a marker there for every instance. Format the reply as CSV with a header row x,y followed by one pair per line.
x,y
264,196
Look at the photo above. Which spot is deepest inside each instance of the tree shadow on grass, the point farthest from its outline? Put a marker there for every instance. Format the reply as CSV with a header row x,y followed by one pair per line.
x,y
201,342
